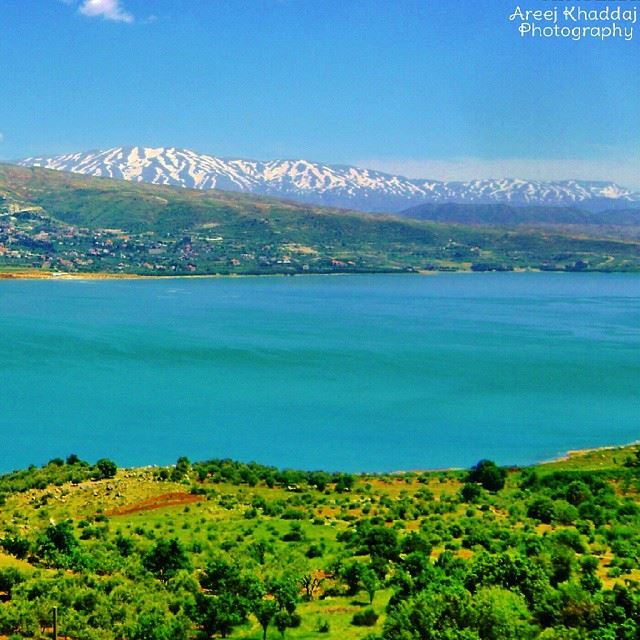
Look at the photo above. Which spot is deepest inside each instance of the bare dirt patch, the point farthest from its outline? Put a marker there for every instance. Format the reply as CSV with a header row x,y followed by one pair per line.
x,y
174,499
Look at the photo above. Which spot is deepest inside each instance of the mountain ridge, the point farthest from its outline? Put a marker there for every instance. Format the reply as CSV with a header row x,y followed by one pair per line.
x,y
326,184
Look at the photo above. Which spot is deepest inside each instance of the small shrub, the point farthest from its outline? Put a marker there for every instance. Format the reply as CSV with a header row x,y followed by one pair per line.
x,y
470,492
366,618
322,626
16,546
542,509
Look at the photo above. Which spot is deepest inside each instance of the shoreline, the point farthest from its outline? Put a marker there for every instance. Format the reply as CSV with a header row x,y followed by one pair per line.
x,y
104,275
580,453
570,454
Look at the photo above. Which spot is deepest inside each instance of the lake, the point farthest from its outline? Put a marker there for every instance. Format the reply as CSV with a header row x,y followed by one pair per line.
x,y
354,373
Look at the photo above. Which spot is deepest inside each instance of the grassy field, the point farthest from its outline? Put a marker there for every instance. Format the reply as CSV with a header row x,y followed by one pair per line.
x,y
271,524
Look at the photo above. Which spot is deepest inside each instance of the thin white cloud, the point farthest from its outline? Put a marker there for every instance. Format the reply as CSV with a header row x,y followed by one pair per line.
x,y
107,9
625,171
1,136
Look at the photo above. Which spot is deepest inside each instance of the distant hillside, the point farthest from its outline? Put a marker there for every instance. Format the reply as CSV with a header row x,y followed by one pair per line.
x,y
502,214
329,184
55,221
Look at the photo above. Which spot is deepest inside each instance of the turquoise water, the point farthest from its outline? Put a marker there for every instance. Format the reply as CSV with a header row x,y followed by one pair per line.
x,y
352,372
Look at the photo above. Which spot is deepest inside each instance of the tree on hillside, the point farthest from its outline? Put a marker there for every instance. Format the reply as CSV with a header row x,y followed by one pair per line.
x,y
182,469
279,604
16,545
104,468
499,614
264,611
433,614
488,474
319,479
221,576
286,591
58,544
350,575
370,582
165,558
157,624
382,544
219,614
228,596
9,578
345,482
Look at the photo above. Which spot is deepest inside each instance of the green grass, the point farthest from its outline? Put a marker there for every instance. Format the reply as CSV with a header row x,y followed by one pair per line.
x,y
221,521
597,459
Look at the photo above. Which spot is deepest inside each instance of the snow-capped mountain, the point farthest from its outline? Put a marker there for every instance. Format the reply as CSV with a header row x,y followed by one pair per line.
x,y
326,184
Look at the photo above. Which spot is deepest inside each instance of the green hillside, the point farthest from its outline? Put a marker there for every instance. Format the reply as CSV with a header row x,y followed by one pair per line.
x,y
508,215
62,222
221,548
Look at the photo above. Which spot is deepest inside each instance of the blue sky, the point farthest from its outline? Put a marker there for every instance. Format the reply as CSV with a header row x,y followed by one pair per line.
x,y
430,88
